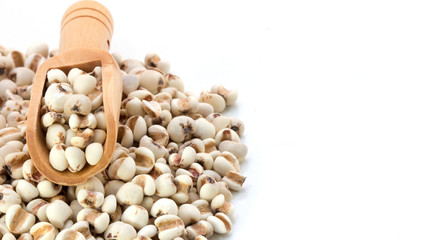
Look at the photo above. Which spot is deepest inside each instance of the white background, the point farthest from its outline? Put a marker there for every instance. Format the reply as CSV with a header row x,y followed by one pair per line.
x,y
333,93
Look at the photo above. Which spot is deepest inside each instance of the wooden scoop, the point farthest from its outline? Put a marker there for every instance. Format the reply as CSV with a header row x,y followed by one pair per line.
x,y
86,30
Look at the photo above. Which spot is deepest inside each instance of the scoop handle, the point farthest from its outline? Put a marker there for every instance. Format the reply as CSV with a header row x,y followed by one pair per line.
x,y
86,24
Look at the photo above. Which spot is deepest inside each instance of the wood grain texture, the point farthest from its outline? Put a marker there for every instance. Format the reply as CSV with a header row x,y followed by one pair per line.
x,y
86,24
86,31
